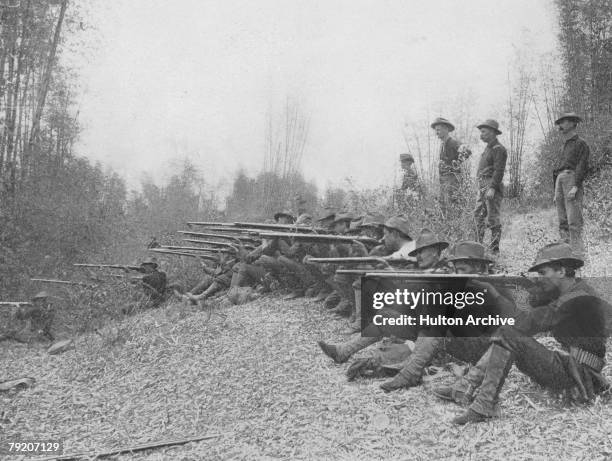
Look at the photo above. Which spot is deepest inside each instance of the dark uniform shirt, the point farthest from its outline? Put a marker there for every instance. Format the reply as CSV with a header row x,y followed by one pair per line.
x,y
576,318
575,156
449,157
157,281
493,165
410,179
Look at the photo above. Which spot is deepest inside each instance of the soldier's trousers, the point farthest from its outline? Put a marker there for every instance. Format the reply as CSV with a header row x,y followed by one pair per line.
x,y
546,367
247,275
569,210
449,190
487,214
299,274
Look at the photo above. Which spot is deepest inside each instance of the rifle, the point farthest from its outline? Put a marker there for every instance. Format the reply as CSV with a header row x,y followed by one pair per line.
x,y
200,249
210,223
360,260
210,249
520,280
110,266
233,230
211,242
62,282
227,236
15,303
182,253
322,238
285,227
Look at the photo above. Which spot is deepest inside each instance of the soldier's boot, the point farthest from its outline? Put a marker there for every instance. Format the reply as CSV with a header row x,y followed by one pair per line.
x,y
323,293
332,300
576,242
484,405
425,348
297,293
495,239
343,309
342,352
462,391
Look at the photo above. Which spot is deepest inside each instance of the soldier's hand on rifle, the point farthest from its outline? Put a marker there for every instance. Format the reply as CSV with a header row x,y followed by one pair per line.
x,y
485,286
360,248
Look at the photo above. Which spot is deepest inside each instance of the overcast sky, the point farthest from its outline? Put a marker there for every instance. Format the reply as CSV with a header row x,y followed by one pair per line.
x,y
198,77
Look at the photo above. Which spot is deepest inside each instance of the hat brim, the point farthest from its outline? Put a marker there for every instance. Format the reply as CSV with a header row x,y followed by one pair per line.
x,y
577,263
497,131
570,117
441,245
398,230
465,258
149,264
450,126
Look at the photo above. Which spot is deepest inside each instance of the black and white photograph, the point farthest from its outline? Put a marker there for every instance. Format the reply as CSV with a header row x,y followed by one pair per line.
x,y
305,230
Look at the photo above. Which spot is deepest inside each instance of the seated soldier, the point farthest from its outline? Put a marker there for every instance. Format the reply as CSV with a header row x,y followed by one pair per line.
x,y
576,320
261,263
215,279
320,250
340,226
466,344
343,352
153,281
291,258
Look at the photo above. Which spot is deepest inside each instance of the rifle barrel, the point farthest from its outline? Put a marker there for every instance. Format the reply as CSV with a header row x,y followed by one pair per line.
x,y
227,236
285,227
182,253
60,282
210,223
110,266
320,237
15,303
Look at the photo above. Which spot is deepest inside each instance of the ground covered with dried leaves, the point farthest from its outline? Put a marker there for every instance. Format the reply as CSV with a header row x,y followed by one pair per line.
x,y
254,375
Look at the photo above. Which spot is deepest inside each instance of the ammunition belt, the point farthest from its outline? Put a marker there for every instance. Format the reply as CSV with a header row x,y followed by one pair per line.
x,y
587,358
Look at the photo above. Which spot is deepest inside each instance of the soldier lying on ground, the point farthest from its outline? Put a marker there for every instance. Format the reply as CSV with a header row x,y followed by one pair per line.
x,y
153,281
576,319
33,321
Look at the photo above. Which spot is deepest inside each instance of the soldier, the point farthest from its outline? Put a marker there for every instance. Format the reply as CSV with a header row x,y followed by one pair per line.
x,y
452,155
215,279
490,175
466,344
35,320
568,178
397,238
342,352
154,281
576,320
410,177
284,217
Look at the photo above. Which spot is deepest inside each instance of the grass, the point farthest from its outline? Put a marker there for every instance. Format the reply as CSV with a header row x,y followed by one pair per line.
x,y
255,375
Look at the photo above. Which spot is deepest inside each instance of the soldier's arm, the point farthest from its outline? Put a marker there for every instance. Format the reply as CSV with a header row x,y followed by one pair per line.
x,y
499,166
583,162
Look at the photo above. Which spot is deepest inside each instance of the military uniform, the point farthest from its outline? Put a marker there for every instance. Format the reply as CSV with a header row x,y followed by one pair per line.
x,y
570,172
154,283
576,320
490,175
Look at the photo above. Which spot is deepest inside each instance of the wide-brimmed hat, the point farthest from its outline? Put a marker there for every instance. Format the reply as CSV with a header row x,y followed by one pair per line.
x,y
556,253
328,214
355,227
398,223
150,261
427,239
303,220
40,295
492,124
346,216
443,121
285,213
467,250
568,116
372,220
406,158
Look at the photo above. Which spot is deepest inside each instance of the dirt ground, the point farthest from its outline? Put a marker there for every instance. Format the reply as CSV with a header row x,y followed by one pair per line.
x,y
254,376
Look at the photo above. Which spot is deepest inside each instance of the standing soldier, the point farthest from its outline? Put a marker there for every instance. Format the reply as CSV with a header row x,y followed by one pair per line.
x,y
490,187
452,154
568,178
410,177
